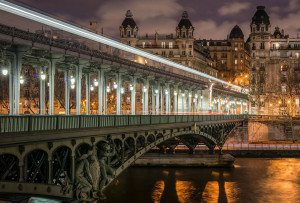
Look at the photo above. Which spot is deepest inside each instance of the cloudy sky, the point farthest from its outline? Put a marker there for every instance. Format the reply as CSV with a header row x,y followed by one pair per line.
x,y
212,19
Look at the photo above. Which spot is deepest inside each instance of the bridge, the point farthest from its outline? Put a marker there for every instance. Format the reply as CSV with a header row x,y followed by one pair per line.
x,y
73,100
39,155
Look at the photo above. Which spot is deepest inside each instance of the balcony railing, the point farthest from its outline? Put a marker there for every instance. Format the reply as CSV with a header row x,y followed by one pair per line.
x,y
58,122
157,47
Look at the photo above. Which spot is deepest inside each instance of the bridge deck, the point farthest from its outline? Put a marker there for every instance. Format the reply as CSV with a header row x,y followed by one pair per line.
x,y
17,138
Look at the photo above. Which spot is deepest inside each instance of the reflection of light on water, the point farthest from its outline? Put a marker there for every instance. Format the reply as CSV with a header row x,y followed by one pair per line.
x,y
184,190
237,166
211,192
282,181
158,190
232,191
165,172
215,174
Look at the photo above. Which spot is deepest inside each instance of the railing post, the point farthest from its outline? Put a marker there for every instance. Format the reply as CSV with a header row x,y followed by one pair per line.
x,y
57,123
80,120
29,123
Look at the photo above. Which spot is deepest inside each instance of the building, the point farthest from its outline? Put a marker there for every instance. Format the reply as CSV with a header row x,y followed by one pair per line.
x,y
181,48
274,68
231,56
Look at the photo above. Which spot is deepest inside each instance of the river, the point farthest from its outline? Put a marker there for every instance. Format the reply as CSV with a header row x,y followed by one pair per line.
x,y
251,180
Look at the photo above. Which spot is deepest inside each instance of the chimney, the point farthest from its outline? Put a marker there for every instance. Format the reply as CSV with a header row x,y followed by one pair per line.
x,y
93,26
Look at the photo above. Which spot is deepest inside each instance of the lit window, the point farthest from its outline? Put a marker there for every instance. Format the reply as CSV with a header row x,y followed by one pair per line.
x,y
235,62
171,45
144,44
163,44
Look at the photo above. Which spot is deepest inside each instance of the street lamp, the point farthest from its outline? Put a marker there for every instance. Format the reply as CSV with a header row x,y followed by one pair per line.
x,y
107,89
92,88
175,93
115,85
43,76
72,80
156,91
4,72
131,87
96,83
21,80
122,90
145,89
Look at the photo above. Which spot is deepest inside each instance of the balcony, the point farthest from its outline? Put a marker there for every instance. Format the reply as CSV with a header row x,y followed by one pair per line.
x,y
157,47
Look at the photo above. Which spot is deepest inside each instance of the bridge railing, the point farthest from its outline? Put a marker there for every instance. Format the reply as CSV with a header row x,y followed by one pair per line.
x,y
274,117
246,147
30,123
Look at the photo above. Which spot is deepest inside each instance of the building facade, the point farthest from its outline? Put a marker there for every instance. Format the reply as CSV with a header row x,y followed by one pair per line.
x,y
231,55
274,68
181,48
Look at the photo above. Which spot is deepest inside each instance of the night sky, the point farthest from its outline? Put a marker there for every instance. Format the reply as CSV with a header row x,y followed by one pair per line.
x,y
212,19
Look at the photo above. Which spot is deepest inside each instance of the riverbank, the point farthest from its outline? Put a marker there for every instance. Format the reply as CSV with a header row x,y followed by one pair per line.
x,y
263,153
185,160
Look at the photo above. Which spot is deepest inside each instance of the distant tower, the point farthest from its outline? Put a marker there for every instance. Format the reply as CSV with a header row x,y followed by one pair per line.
x,y
260,32
236,39
260,69
185,35
129,30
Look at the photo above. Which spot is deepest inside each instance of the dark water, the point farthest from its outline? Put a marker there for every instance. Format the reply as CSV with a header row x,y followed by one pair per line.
x,y
252,180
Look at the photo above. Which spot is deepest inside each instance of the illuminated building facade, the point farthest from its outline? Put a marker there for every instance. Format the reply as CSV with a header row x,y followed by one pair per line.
x,y
231,56
182,48
274,68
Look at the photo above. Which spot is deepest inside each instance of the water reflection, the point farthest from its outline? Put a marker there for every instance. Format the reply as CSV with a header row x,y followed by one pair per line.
x,y
158,191
255,180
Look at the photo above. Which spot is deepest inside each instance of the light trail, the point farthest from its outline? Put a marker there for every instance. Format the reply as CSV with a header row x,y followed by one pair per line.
x,y
35,16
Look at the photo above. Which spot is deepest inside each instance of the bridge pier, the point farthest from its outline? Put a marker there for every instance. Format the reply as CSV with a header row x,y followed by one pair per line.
x,y
162,96
119,96
175,100
78,78
182,101
42,92
133,94
157,98
67,91
17,67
